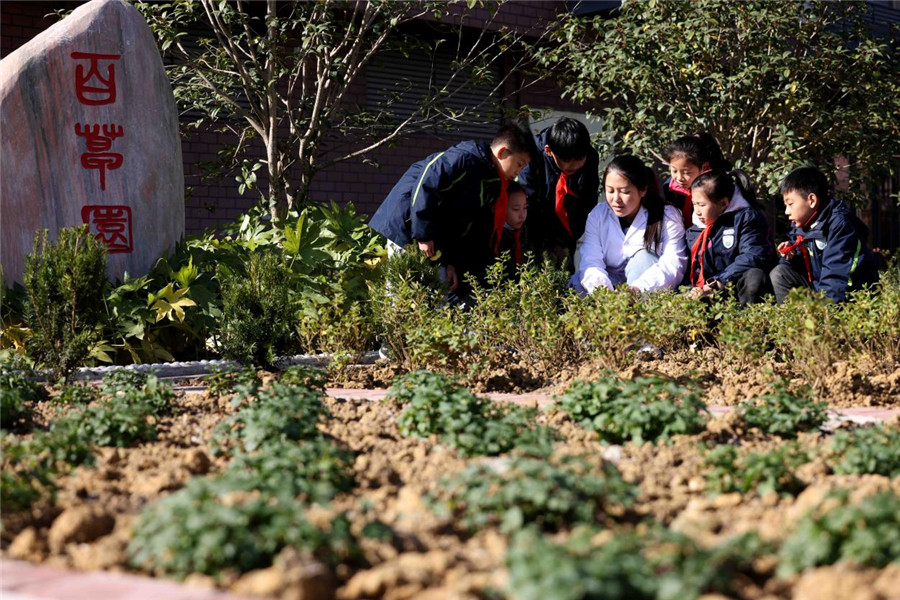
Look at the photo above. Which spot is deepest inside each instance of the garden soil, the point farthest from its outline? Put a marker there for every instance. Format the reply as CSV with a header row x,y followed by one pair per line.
x,y
89,524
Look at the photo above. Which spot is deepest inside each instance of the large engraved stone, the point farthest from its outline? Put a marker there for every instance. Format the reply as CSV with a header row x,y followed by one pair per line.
x,y
90,135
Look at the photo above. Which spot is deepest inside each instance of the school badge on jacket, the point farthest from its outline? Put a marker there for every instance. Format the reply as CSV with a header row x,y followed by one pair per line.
x,y
728,237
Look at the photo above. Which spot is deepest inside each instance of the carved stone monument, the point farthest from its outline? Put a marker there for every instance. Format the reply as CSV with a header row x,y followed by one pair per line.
x,y
90,136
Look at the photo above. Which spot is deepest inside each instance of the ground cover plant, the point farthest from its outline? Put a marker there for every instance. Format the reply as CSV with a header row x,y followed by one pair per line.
x,y
759,472
641,410
784,413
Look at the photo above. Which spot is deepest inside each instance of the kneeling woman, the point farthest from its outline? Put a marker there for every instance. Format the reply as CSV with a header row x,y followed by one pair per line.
x,y
633,237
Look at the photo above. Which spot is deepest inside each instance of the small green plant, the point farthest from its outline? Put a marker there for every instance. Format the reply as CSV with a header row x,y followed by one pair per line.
x,y
317,470
139,389
77,395
761,472
783,412
871,449
16,391
644,409
243,383
26,478
209,527
602,325
553,495
657,566
66,284
118,424
475,426
259,310
865,534
305,375
280,412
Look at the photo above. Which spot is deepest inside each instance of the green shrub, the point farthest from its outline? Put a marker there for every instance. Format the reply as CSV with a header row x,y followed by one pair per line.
x,y
475,426
115,424
603,325
806,334
66,284
744,334
553,495
644,409
243,383
259,310
305,375
126,386
672,320
26,479
761,472
77,395
209,527
280,412
866,534
316,469
659,566
16,391
871,449
784,413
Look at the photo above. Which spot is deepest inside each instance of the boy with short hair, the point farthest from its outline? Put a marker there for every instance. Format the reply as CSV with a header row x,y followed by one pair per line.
x,y
562,187
449,201
829,251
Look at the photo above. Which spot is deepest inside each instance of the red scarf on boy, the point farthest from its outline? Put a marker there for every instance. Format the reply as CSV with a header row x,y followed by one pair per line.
x,y
798,245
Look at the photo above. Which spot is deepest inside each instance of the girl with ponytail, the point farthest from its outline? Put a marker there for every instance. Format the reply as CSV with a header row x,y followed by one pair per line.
x,y
729,242
633,237
687,157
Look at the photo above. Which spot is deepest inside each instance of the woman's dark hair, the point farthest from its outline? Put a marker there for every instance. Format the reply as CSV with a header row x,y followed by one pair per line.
x,y
700,149
569,139
719,185
642,177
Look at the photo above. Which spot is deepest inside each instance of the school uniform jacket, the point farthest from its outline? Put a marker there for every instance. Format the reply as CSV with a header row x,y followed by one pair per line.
x,y
446,198
539,179
605,250
839,257
737,242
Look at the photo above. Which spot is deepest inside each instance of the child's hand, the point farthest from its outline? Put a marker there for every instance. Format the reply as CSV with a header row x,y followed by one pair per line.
x,y
783,250
452,278
427,248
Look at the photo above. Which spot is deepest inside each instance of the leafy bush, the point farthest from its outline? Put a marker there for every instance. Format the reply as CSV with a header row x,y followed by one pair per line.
x,y
129,387
281,412
16,390
784,413
109,424
305,375
553,495
76,394
66,284
243,383
259,311
761,472
602,325
660,566
436,405
26,478
866,534
316,469
641,410
208,527
871,449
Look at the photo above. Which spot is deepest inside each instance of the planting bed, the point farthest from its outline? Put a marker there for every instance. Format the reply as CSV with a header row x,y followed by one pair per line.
x,y
415,537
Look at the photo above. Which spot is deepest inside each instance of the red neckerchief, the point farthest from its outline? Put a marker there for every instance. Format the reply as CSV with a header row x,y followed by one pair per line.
x,y
798,245
562,188
699,248
687,209
499,214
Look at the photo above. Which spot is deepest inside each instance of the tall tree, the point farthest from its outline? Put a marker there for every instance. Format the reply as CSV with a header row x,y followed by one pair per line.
x,y
779,84
285,75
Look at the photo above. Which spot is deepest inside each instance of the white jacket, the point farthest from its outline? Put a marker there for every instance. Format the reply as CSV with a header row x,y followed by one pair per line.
x,y
605,250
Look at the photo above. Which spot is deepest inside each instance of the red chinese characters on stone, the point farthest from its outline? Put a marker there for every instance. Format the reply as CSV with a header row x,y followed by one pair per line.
x,y
99,144
91,86
111,225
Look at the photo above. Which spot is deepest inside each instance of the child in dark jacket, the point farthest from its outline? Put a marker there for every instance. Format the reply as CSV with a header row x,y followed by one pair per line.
x,y
687,157
828,250
513,240
562,187
448,202
731,245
